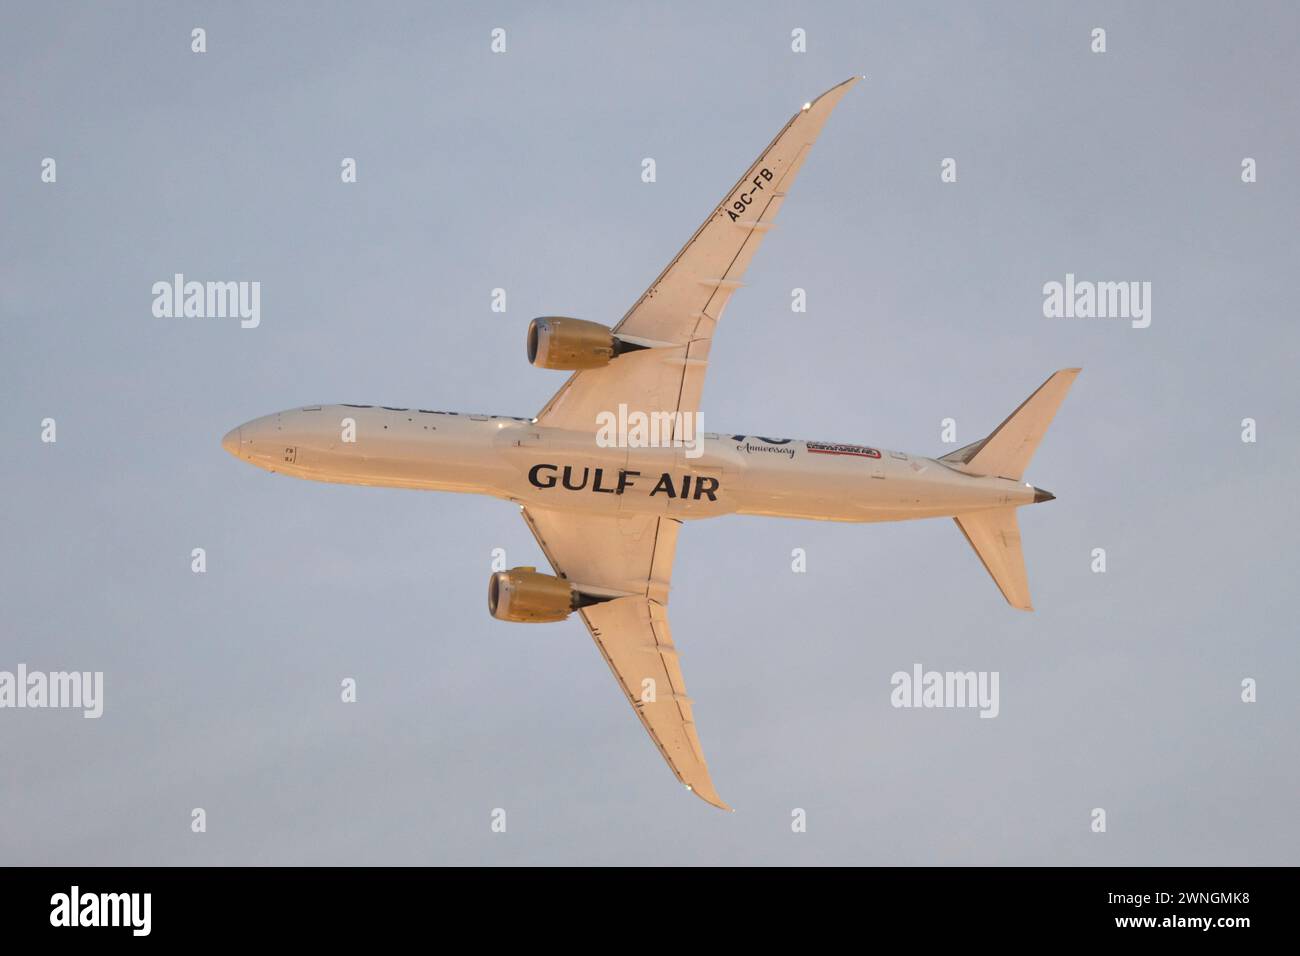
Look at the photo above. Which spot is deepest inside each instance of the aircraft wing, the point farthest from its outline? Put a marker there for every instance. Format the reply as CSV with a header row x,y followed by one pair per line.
x,y
632,555
677,315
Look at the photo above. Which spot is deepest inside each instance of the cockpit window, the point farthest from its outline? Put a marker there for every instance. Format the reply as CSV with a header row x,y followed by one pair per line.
x,y
346,405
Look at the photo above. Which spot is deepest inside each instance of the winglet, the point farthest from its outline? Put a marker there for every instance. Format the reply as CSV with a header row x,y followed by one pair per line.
x,y
709,795
833,94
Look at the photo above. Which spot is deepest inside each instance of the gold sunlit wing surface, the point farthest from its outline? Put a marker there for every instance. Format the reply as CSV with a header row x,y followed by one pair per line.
x,y
630,557
682,307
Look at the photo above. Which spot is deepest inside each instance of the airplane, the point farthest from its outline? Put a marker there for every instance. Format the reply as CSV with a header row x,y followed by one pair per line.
x,y
607,514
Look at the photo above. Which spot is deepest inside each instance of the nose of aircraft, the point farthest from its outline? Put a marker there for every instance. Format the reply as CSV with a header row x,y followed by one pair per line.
x,y
231,441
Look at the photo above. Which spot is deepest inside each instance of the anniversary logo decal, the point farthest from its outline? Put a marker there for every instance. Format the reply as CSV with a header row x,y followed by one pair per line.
x,y
775,446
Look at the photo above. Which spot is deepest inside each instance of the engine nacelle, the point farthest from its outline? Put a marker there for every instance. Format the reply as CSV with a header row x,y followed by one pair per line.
x,y
527,597
558,342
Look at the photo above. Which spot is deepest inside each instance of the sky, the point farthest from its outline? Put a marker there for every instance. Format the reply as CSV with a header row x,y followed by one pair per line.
x,y
522,170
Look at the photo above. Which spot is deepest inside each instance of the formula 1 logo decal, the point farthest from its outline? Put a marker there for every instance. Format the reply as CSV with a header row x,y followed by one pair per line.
x,y
826,448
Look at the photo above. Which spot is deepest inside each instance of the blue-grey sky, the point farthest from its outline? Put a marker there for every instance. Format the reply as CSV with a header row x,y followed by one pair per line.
x,y
522,170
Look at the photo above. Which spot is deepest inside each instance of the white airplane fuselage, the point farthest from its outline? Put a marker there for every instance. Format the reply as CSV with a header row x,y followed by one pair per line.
x,y
518,460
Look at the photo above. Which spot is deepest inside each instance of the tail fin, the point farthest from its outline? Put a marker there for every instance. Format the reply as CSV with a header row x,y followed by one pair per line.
x,y
995,536
1006,452
995,533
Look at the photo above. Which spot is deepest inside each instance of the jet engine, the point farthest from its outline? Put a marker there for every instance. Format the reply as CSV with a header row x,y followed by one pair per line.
x,y
525,596
562,343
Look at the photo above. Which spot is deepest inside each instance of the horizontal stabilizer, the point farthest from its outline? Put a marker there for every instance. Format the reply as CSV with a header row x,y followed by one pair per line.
x,y
1006,452
995,536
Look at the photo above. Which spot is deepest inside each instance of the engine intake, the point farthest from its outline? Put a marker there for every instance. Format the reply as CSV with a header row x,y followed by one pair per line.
x,y
555,341
525,596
